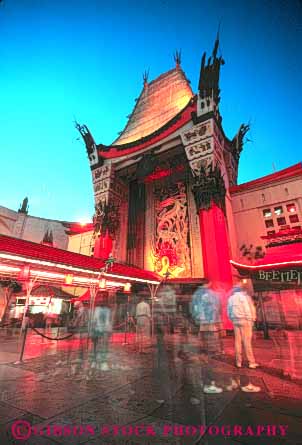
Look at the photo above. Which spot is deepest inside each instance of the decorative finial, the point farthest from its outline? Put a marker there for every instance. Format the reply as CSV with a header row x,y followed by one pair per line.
x,y
24,206
48,238
145,77
177,58
216,46
209,74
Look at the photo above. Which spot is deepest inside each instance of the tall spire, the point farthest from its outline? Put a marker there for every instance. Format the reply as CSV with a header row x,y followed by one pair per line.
x,y
145,77
177,58
216,46
24,206
209,74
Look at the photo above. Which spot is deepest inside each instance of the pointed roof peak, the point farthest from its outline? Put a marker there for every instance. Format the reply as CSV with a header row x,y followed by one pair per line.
x,y
177,58
145,77
164,98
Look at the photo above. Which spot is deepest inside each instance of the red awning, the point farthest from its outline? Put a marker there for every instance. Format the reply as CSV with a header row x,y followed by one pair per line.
x,y
51,256
278,257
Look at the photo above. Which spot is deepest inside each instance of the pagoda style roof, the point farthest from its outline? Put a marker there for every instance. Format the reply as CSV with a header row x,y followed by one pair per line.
x,y
160,101
177,122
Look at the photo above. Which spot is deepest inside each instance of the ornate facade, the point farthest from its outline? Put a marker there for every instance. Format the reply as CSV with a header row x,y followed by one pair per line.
x,y
168,179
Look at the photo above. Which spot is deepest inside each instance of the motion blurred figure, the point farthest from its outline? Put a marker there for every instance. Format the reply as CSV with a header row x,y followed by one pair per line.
x,y
206,311
242,313
101,328
143,323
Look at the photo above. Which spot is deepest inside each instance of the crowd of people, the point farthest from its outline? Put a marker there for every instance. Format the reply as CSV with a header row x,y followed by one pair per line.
x,y
157,319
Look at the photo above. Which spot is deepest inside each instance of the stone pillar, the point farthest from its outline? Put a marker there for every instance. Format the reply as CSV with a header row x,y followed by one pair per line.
x,y
112,194
216,256
204,153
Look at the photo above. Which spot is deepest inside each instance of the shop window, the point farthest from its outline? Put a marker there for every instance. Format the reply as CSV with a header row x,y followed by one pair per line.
x,y
267,213
281,221
293,218
269,223
291,208
278,211
271,232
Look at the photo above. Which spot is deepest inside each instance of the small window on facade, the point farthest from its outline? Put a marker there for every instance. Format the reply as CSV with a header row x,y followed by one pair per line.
x,y
286,191
281,221
271,232
263,197
291,208
241,203
267,213
293,218
278,210
269,223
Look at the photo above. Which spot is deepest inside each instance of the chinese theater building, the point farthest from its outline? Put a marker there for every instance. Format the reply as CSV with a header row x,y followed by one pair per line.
x,y
162,187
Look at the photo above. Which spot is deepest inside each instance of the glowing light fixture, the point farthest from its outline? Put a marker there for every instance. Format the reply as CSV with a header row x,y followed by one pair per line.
x,y
127,288
68,279
102,283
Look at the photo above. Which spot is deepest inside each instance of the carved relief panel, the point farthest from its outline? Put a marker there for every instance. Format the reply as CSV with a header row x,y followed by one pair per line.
x,y
171,247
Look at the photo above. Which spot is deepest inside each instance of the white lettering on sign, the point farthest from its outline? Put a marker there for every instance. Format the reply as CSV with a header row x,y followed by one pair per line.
x,y
285,276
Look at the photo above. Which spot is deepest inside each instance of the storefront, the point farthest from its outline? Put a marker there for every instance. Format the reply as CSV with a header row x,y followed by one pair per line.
x,y
277,281
45,302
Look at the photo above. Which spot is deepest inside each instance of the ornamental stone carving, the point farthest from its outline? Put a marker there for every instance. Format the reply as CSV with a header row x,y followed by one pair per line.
x,y
197,133
209,187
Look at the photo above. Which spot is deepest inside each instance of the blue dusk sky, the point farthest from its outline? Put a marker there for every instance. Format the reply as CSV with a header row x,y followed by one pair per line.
x,y
69,59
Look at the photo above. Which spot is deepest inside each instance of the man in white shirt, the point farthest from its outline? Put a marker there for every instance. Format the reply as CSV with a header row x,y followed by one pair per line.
x,y
242,313
143,321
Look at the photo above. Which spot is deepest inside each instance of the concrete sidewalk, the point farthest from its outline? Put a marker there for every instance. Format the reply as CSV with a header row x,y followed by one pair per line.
x,y
41,393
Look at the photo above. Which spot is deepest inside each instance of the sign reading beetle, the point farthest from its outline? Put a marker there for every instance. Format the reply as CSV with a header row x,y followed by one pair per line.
x,y
286,276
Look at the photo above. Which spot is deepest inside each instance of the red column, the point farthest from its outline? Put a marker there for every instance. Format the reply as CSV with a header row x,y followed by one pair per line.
x,y
103,246
216,257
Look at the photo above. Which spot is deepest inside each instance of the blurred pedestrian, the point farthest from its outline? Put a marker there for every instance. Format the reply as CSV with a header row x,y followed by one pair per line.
x,y
143,323
101,328
81,327
206,311
242,313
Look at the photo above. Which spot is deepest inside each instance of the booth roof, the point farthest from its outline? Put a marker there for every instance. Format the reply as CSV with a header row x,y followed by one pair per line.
x,y
31,250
